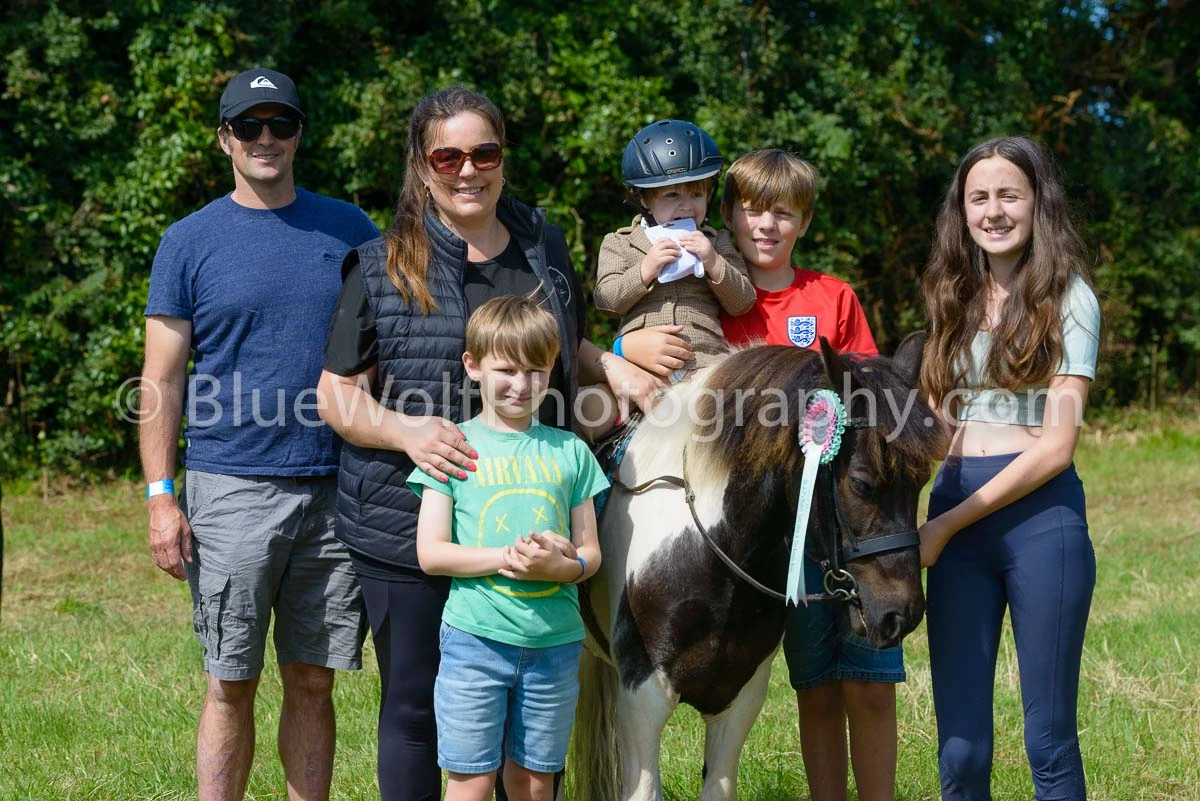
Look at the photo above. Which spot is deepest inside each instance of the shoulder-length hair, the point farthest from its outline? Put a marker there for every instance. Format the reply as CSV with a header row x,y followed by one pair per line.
x,y
407,242
1027,339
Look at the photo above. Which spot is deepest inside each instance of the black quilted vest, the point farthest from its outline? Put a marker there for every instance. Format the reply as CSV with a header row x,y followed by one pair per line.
x,y
421,370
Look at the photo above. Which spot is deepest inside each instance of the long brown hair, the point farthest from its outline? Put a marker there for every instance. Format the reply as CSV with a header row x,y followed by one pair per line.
x,y
407,242
1027,339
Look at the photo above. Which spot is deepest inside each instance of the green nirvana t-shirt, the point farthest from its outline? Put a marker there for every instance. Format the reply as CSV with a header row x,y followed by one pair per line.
x,y
525,482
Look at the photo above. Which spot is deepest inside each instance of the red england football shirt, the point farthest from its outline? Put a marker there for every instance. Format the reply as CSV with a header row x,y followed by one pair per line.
x,y
815,305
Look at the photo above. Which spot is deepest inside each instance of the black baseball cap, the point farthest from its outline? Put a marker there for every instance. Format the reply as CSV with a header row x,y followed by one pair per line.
x,y
257,87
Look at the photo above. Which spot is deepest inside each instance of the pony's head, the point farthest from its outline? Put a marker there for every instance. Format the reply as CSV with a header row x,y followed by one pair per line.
x,y
750,422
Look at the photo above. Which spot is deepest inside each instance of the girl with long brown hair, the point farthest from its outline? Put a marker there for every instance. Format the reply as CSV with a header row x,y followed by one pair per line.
x,y
1012,351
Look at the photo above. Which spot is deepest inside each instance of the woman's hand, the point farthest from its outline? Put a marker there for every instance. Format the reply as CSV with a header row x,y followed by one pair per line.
x,y
661,253
629,383
699,244
934,535
658,349
437,446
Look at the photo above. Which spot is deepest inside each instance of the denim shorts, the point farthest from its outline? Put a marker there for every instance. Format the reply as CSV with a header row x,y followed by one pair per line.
x,y
820,647
489,692
264,545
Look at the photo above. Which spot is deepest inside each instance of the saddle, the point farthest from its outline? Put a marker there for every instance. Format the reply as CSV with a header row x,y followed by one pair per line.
x,y
610,451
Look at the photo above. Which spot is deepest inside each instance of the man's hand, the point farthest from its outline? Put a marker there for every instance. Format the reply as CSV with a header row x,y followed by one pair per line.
x,y
170,536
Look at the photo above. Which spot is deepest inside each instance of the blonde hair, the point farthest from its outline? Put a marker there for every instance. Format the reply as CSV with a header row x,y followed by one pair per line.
x,y
765,178
514,327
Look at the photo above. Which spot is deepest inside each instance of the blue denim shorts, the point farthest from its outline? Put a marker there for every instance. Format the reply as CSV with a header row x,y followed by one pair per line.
x,y
820,647
490,693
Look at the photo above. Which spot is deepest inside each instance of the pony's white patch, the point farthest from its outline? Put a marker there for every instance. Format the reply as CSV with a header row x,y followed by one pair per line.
x,y
726,732
657,450
642,713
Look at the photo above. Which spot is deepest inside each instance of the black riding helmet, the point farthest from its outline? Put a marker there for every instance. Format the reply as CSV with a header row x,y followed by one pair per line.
x,y
669,152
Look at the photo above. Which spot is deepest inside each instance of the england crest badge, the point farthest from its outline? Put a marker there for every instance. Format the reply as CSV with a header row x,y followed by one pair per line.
x,y
802,330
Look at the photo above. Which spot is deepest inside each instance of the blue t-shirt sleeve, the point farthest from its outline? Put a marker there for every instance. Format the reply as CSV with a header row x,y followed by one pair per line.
x,y
418,480
366,230
589,478
171,285
1081,331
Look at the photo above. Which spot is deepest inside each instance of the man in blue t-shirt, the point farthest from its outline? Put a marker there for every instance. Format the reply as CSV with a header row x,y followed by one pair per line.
x,y
246,286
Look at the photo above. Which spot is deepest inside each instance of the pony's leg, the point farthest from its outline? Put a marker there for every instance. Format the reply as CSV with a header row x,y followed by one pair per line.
x,y
642,714
726,733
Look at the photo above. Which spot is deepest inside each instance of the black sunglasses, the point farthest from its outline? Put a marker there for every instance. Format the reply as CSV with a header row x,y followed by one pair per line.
x,y
449,160
248,129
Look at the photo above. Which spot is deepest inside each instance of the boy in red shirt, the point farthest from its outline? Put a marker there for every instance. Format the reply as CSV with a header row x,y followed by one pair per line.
x,y
837,675
768,205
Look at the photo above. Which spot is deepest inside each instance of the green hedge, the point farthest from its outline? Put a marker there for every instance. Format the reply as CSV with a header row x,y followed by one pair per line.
x,y
108,121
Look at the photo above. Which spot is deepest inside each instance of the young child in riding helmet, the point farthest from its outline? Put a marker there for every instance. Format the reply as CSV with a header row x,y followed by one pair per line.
x,y
670,168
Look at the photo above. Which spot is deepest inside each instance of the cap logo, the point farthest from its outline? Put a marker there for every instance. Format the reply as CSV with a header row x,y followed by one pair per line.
x,y
262,82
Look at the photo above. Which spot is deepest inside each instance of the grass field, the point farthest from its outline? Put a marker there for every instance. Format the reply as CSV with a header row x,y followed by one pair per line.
x,y
100,677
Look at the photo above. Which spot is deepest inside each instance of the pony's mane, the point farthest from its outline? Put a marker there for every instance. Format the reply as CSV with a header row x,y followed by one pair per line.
x,y
748,418
749,408
907,437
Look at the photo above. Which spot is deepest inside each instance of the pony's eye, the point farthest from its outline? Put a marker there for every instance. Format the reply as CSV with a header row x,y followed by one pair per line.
x,y
862,488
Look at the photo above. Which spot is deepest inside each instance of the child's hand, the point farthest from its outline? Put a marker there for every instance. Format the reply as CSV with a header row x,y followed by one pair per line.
x,y
698,244
551,541
662,253
539,557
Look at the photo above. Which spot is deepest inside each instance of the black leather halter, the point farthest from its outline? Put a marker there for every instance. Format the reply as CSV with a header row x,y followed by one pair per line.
x,y
839,584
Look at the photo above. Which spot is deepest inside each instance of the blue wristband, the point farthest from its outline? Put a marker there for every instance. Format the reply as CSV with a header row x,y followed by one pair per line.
x,y
583,564
167,485
616,348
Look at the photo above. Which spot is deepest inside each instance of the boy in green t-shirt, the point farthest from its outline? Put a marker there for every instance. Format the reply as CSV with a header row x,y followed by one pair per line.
x,y
517,534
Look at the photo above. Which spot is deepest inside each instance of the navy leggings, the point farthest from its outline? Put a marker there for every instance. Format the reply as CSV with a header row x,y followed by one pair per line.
x,y
1034,557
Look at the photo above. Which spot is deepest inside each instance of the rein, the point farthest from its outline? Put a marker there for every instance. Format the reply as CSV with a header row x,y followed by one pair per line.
x,y
840,586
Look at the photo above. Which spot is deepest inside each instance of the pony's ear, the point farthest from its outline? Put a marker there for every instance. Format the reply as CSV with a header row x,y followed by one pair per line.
x,y
908,356
835,368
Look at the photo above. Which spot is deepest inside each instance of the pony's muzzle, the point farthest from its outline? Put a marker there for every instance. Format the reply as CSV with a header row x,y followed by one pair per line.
x,y
894,625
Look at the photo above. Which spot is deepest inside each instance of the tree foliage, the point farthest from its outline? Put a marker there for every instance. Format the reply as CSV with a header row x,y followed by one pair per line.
x,y
109,113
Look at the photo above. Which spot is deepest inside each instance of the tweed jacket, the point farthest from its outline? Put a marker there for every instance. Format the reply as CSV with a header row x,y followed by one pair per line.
x,y
694,303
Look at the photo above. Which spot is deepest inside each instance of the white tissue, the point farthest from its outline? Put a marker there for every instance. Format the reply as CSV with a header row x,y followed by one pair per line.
x,y
688,264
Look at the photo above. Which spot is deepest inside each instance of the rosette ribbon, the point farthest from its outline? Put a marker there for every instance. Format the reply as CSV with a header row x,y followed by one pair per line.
x,y
820,440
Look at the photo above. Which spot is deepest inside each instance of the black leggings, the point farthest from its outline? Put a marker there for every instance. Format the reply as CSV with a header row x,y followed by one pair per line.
x,y
405,611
